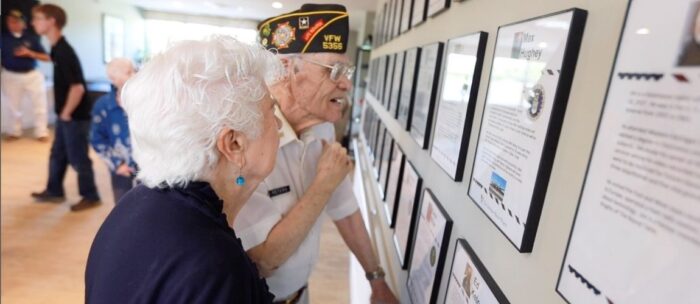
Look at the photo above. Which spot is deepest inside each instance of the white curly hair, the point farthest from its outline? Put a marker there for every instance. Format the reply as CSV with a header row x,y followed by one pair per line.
x,y
181,99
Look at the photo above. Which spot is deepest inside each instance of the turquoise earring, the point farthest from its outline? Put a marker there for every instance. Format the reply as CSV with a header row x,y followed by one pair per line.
x,y
240,180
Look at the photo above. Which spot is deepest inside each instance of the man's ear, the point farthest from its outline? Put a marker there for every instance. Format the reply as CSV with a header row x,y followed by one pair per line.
x,y
232,145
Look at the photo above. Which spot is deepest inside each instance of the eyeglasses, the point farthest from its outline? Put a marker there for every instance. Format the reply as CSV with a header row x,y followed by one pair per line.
x,y
338,69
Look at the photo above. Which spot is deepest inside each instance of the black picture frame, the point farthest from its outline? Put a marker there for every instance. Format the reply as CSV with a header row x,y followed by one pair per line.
x,y
418,14
394,95
610,258
386,158
379,145
491,284
408,87
426,88
435,7
414,198
441,252
393,184
388,81
398,13
457,173
561,96
406,16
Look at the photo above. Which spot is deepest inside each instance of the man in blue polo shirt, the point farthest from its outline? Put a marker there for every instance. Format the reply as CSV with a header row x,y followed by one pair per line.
x,y
20,77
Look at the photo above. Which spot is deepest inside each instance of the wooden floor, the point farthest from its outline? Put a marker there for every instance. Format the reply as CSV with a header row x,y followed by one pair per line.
x,y
45,246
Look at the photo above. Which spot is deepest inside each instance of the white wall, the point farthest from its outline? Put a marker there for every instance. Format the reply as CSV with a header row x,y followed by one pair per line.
x,y
523,277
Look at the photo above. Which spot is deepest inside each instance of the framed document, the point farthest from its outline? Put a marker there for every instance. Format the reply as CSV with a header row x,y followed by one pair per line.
x,y
531,75
429,250
379,145
388,82
386,159
406,212
636,235
398,12
393,184
381,78
406,16
464,59
469,281
393,105
367,127
373,135
418,14
426,90
437,6
408,87
112,37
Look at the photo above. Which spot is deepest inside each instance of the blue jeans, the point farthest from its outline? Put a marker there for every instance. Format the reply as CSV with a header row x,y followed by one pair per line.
x,y
120,185
70,146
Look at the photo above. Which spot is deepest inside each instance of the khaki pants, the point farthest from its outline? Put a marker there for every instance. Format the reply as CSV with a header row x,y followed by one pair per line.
x,y
15,86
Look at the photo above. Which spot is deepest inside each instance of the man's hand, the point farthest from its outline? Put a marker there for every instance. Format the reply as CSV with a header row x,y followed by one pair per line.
x,y
65,116
23,51
124,170
333,166
381,294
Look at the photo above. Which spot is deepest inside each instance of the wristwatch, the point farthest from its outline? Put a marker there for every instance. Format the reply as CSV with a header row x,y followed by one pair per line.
x,y
377,274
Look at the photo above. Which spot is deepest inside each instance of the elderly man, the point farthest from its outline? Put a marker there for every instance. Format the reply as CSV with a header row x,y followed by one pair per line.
x,y
280,225
20,76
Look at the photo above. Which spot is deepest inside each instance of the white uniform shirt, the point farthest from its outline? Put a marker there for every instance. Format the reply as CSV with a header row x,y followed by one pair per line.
x,y
294,172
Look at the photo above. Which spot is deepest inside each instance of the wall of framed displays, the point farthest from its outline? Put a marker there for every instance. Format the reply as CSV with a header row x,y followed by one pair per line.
x,y
483,258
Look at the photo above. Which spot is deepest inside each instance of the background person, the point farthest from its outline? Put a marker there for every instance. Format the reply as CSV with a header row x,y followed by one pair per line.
x,y
20,77
204,135
280,226
70,145
109,131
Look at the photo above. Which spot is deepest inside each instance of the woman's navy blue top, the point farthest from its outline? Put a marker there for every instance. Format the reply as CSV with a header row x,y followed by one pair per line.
x,y
170,245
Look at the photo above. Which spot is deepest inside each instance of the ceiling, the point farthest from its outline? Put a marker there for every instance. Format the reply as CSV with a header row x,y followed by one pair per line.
x,y
243,9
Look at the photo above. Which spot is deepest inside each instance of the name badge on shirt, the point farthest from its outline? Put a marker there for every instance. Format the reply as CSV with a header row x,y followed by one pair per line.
x,y
278,191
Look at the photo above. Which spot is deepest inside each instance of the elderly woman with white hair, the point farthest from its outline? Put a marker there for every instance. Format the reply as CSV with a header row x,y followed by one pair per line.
x,y
109,130
204,135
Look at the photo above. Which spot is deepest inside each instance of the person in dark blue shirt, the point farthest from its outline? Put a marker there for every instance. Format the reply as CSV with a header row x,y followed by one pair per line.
x,y
20,76
205,136
109,131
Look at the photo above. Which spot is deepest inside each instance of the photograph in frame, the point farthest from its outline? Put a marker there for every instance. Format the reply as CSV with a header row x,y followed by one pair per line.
x,y
469,281
393,185
113,37
394,95
406,15
431,240
407,205
530,80
389,81
461,74
426,92
641,189
437,6
384,165
408,87
418,13
381,137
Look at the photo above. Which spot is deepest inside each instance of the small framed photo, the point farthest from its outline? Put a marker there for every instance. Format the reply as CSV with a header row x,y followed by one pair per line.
x,y
407,211
112,37
469,280
429,250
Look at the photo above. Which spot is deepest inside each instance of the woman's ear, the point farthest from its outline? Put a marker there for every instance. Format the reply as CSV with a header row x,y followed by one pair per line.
x,y
232,145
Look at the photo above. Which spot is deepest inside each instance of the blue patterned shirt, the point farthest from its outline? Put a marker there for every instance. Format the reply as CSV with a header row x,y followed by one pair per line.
x,y
109,132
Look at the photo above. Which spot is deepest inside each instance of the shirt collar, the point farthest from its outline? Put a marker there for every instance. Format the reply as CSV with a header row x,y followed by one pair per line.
x,y
112,104
320,131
